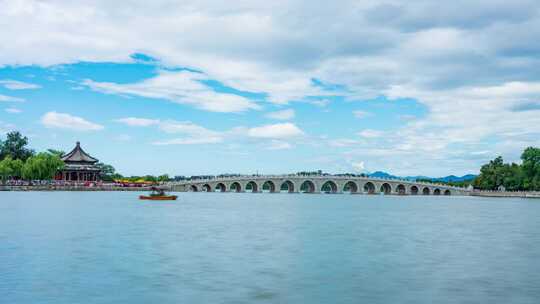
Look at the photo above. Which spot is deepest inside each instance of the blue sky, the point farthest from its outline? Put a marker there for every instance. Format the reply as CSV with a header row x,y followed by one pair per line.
x,y
202,88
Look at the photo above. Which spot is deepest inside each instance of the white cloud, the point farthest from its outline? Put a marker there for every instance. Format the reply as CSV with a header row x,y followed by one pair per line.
x,y
189,141
55,120
18,85
193,131
193,134
276,131
470,115
319,103
10,98
182,87
344,142
464,128
361,114
358,166
282,115
279,145
13,110
138,122
369,133
186,127
272,137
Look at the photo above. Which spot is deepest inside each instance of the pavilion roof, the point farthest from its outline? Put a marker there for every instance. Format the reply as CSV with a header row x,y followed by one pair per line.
x,y
78,155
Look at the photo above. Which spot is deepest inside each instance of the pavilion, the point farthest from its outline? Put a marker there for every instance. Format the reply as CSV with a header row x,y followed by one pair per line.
x,y
79,166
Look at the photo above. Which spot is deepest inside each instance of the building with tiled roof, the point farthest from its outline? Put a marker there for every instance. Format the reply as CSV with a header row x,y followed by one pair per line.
x,y
79,166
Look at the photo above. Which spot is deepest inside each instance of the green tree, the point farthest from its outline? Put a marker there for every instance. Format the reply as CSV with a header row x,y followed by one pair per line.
x,y
115,176
133,178
150,178
108,173
10,168
163,178
59,153
15,146
491,175
5,169
513,177
17,166
42,166
531,168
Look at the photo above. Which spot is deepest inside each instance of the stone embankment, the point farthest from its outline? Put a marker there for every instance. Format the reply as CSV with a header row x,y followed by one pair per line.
x,y
522,194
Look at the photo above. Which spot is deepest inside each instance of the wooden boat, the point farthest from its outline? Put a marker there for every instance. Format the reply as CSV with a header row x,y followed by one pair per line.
x,y
159,197
158,194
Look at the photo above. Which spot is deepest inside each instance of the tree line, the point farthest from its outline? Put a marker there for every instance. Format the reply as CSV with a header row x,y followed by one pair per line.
x,y
464,183
17,161
513,177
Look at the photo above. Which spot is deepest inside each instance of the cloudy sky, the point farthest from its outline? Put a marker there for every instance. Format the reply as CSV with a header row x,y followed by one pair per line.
x,y
204,87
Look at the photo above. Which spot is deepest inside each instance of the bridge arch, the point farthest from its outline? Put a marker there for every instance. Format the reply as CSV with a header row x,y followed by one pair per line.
x,y
437,191
329,187
425,191
236,187
369,188
220,187
414,190
206,188
401,190
350,187
307,186
287,186
252,186
269,186
193,188
447,192
386,189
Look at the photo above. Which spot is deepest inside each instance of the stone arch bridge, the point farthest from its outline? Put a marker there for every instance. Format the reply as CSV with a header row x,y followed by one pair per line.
x,y
316,184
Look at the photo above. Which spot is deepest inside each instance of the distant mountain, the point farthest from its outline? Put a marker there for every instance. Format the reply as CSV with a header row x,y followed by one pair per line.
x,y
446,179
380,174
453,178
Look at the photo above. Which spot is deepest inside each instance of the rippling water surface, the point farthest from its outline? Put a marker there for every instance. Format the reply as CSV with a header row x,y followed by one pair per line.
x,y
103,247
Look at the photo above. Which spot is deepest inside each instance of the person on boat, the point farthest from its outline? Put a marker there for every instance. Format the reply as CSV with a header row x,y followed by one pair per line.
x,y
157,192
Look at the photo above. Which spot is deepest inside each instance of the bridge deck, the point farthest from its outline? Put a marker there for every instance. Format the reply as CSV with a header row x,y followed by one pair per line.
x,y
317,184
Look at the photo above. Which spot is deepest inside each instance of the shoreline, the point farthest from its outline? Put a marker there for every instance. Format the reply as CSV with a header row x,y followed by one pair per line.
x,y
46,188
40,188
519,194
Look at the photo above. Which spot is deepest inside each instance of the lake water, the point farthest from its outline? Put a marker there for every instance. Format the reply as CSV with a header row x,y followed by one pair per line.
x,y
109,247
